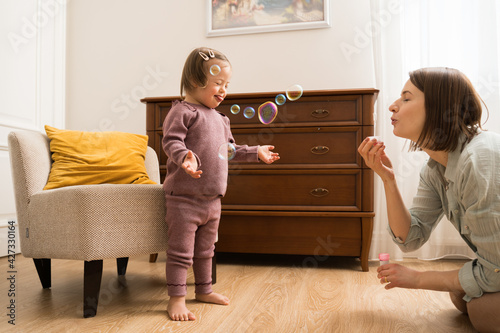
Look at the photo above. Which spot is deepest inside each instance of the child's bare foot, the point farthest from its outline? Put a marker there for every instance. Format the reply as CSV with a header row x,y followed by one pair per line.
x,y
213,298
177,309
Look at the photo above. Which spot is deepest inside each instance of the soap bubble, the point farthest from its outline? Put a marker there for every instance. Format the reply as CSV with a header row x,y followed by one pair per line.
x,y
227,151
294,92
215,70
267,112
280,99
249,112
235,109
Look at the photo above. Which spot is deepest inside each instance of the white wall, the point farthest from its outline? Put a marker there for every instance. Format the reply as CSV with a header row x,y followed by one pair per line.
x,y
114,46
32,91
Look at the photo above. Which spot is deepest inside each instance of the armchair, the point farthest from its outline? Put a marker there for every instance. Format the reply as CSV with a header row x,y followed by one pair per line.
x,y
85,222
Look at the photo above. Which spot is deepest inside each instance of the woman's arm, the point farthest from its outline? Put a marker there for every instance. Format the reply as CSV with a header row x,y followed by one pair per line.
x,y
397,213
397,276
373,153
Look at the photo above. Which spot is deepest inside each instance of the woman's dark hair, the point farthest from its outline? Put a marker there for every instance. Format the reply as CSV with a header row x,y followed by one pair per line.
x,y
196,68
452,108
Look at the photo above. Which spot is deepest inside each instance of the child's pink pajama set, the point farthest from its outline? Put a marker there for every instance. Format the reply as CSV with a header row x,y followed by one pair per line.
x,y
193,205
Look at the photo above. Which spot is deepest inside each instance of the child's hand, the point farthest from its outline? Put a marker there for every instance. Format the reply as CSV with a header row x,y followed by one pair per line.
x,y
190,165
266,155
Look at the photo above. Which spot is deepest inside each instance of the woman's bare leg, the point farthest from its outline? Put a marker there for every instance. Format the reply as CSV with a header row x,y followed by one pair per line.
x,y
483,312
457,300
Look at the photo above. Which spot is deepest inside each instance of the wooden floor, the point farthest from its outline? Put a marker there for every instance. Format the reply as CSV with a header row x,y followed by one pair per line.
x,y
268,294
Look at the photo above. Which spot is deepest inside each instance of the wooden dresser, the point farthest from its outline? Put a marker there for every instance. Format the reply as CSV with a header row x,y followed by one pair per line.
x,y
317,199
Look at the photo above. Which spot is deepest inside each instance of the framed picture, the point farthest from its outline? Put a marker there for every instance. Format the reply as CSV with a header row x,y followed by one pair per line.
x,y
234,17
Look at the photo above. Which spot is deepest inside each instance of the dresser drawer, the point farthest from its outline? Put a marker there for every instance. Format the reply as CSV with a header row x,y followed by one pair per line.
x,y
306,190
332,236
312,110
317,147
306,147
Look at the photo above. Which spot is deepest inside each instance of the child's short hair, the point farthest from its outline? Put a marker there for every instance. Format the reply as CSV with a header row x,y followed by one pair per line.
x,y
196,68
452,108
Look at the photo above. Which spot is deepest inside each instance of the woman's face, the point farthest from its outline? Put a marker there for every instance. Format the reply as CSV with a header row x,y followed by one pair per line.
x,y
408,113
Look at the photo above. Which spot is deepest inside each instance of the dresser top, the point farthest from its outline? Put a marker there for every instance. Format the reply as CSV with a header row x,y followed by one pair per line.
x,y
333,92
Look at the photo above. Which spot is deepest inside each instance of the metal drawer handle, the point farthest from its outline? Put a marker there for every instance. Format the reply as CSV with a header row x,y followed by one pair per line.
x,y
320,150
320,113
319,192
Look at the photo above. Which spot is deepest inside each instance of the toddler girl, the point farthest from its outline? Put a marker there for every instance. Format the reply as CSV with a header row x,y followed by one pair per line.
x,y
193,132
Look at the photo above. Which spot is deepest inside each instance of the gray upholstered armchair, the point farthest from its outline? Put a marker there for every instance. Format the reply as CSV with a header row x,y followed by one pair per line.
x,y
88,222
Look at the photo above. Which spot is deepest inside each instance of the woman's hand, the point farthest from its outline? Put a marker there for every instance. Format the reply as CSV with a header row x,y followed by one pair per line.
x,y
373,152
266,155
190,165
397,276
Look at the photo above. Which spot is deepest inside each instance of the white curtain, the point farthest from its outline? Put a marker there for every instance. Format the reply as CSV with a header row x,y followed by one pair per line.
x,y
411,34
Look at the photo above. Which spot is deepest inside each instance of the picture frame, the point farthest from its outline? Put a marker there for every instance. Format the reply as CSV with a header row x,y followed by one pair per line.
x,y
236,17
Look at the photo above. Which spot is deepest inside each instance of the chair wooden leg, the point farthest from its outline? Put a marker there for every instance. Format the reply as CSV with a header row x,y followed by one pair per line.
x,y
92,275
214,268
44,272
153,257
121,265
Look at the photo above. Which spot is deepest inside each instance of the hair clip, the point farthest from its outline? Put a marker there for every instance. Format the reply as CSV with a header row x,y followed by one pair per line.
x,y
206,57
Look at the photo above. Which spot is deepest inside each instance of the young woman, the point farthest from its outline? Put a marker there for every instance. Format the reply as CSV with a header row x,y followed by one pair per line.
x,y
440,112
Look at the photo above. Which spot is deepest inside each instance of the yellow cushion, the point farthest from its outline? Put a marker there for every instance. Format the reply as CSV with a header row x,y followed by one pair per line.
x,y
85,158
